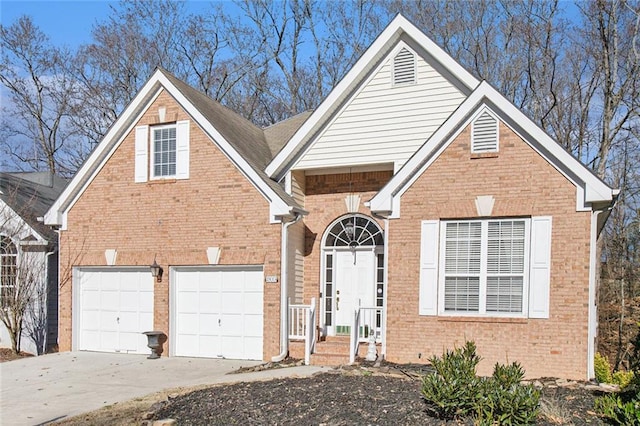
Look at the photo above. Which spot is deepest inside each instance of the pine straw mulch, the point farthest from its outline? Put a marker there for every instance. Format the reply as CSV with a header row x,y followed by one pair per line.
x,y
389,394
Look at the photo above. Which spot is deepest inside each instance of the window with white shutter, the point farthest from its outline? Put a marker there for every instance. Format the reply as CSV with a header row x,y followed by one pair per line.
x,y
404,68
485,267
484,133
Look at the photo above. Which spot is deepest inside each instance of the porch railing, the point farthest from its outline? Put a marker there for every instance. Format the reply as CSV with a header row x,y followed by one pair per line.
x,y
302,320
367,323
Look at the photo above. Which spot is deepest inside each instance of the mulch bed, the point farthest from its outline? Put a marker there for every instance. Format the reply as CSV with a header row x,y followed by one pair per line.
x,y
348,396
7,354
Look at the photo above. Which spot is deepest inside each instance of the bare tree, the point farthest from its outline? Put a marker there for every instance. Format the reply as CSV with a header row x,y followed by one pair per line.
x,y
23,278
34,124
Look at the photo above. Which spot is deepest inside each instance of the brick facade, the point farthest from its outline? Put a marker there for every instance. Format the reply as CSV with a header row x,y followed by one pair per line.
x,y
522,184
175,220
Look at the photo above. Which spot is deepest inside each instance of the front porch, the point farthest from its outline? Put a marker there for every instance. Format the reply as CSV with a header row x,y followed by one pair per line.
x,y
308,340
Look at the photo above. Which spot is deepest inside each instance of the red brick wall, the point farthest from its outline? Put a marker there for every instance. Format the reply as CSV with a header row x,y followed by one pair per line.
x,y
174,219
522,184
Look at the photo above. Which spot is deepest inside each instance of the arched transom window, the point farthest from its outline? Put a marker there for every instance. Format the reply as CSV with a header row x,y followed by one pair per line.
x,y
354,231
8,270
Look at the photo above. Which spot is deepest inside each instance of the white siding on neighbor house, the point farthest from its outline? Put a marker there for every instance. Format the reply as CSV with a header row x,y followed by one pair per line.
x,y
384,123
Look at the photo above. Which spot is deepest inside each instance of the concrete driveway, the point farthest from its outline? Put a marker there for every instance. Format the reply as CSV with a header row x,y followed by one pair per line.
x,y
52,387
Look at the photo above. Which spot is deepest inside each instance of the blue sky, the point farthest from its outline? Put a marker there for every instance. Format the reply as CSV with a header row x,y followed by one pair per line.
x,y
66,22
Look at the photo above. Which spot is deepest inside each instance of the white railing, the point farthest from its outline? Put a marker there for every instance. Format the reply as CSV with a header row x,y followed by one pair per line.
x,y
367,323
302,320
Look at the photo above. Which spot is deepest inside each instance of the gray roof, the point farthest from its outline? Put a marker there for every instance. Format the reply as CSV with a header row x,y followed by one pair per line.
x,y
245,137
30,195
277,135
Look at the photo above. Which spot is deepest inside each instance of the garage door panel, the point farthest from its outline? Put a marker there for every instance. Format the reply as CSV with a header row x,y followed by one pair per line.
x,y
254,282
232,304
253,325
208,324
209,347
188,302
209,302
115,307
91,299
221,295
187,323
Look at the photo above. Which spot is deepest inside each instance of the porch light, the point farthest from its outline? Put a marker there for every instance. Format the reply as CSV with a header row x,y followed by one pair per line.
x,y
349,230
156,271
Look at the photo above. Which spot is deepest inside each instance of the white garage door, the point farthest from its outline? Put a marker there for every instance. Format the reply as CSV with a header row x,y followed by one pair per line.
x,y
115,306
218,312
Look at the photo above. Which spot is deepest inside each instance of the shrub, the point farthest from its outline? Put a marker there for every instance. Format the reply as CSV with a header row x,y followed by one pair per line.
x,y
602,369
620,412
623,378
503,400
455,391
451,390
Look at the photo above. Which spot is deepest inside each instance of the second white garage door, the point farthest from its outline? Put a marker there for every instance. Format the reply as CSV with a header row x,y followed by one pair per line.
x,y
217,312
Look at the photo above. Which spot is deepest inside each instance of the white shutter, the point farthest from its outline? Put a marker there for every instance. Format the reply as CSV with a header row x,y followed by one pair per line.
x,y
428,297
141,153
540,267
484,133
182,149
404,67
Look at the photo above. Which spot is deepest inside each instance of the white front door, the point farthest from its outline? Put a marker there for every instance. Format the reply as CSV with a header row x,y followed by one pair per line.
x,y
354,286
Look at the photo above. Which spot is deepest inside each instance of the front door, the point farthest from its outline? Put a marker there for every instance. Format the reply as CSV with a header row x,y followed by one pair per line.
x,y
354,286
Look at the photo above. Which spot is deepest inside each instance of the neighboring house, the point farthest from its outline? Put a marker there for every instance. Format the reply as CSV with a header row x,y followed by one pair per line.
x,y
415,197
29,257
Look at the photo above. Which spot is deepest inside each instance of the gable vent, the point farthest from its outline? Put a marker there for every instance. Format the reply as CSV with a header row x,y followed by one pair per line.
x,y
484,134
404,67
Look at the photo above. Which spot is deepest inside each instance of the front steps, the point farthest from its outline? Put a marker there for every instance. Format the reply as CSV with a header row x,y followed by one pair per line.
x,y
333,351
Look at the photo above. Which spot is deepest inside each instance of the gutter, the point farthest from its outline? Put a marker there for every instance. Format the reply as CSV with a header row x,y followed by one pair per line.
x,y
284,290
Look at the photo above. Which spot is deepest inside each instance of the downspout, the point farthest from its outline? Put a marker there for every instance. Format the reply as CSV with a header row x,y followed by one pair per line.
x,y
593,320
284,290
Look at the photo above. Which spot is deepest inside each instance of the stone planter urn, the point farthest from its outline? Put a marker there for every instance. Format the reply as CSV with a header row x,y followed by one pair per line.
x,y
155,339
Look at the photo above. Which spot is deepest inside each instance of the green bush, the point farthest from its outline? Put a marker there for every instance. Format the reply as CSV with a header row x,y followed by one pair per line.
x,y
618,411
451,390
624,408
602,369
503,400
623,378
454,390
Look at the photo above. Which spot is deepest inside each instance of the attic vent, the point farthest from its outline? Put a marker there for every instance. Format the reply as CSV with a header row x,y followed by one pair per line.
x,y
484,134
404,68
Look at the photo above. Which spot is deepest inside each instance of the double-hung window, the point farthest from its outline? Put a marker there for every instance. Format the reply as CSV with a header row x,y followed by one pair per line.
x,y
164,151
484,267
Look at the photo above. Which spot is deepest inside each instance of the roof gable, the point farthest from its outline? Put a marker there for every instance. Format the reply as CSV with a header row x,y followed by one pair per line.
x,y
237,138
399,30
590,190
28,196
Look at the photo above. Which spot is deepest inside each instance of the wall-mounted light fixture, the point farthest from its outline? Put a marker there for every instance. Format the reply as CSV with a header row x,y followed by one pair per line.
x,y
156,271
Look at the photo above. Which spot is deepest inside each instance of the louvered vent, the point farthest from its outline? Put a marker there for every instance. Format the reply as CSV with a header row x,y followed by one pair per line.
x,y
485,134
404,68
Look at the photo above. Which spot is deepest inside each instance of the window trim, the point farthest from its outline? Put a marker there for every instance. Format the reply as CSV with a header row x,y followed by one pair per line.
x,y
482,312
152,151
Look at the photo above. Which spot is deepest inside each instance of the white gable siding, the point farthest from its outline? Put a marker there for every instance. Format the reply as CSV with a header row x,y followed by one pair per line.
x,y
384,123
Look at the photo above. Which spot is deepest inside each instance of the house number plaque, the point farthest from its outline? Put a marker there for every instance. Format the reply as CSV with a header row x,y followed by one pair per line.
x,y
271,279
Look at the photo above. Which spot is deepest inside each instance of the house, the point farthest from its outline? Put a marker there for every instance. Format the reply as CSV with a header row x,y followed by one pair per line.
x,y
29,259
414,209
